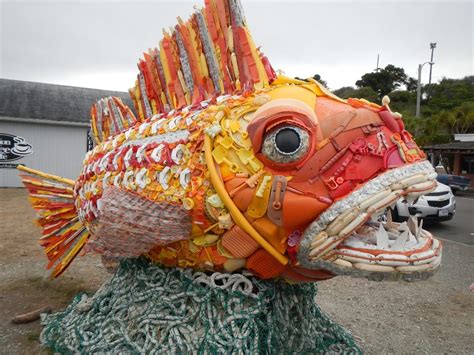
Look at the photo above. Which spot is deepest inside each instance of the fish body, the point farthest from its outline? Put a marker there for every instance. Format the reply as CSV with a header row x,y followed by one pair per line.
x,y
279,177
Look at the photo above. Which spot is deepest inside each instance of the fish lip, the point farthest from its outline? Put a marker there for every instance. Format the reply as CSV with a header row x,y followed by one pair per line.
x,y
350,202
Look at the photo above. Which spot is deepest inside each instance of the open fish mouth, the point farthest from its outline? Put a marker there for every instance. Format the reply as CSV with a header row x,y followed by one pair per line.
x,y
357,237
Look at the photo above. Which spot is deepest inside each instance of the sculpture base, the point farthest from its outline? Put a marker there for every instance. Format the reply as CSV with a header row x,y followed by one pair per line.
x,y
148,309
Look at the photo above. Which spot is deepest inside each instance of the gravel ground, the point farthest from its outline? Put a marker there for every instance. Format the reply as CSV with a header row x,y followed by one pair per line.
x,y
434,316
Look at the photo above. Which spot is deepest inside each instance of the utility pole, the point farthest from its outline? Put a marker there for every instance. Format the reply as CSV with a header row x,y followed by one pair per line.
x,y
432,46
378,57
418,88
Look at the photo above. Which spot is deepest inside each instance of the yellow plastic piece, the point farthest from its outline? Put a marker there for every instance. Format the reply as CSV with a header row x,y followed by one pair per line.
x,y
188,203
220,155
237,216
226,142
207,239
223,251
262,74
294,92
235,126
247,157
46,176
259,204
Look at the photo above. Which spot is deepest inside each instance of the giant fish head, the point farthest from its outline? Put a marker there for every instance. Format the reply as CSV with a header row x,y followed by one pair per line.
x,y
319,178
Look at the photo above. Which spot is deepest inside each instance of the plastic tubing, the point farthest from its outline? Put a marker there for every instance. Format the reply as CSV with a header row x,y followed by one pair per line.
x,y
238,217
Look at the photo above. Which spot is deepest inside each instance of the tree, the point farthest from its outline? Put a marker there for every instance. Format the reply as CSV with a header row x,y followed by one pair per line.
x,y
450,93
383,81
411,84
362,93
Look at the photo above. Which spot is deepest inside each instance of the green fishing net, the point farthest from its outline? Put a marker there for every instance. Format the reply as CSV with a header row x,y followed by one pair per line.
x,y
148,309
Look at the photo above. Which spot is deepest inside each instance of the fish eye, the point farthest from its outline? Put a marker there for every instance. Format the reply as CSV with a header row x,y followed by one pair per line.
x,y
286,144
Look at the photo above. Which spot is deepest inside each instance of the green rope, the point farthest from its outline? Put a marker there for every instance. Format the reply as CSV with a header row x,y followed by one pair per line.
x,y
148,309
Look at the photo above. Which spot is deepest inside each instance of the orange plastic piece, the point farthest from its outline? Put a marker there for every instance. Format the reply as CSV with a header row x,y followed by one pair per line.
x,y
239,243
263,265
271,232
299,210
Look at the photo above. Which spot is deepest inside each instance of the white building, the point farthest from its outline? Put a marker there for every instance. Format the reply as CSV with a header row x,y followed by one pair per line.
x,y
45,127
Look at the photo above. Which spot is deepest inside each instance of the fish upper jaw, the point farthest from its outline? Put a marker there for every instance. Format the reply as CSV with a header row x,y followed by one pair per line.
x,y
349,239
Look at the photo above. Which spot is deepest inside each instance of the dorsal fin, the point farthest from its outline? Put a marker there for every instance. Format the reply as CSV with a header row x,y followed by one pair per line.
x,y
210,54
110,116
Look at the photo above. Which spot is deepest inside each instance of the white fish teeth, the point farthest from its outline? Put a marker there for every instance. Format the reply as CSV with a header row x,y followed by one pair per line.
x,y
401,240
382,237
389,223
419,230
412,224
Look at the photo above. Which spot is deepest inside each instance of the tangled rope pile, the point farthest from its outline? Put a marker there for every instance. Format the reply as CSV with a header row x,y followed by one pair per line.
x,y
148,309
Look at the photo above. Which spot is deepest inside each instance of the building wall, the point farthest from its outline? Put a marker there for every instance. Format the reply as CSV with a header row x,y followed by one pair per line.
x,y
57,149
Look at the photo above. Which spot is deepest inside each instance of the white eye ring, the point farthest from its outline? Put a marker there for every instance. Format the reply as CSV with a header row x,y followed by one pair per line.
x,y
271,150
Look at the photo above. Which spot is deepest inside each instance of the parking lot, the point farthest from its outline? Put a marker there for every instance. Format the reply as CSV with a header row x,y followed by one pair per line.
x,y
461,228
435,316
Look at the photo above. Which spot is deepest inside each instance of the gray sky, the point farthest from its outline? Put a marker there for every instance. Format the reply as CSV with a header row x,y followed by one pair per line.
x,y
97,44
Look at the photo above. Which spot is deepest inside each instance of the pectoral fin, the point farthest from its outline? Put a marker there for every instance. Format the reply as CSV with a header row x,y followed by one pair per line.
x,y
130,225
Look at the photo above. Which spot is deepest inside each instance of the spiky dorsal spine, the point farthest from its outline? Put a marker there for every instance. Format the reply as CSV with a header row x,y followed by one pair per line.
x,y
210,54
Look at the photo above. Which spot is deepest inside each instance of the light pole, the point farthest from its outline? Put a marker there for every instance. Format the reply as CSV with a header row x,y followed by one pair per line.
x,y
418,88
432,47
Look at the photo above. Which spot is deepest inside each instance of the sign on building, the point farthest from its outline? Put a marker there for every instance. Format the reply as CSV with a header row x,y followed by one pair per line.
x,y
13,148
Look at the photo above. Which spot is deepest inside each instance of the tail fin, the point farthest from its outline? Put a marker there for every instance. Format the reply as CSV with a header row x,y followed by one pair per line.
x,y
64,235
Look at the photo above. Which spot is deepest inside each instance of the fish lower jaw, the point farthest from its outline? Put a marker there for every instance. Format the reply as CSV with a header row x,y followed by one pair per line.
x,y
357,237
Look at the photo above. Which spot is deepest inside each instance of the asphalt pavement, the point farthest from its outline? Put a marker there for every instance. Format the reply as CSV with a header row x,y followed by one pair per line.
x,y
461,228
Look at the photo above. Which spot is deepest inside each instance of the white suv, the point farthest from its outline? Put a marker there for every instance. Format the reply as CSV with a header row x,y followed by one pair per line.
x,y
437,206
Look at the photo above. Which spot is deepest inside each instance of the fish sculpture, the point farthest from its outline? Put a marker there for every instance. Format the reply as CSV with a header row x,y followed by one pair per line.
x,y
230,167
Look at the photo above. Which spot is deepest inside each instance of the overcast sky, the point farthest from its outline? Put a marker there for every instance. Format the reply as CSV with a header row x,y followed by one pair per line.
x,y
97,44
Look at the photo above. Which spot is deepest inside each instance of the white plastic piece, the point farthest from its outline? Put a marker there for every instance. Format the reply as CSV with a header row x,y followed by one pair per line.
x,y
164,177
401,240
185,178
382,237
157,125
127,157
324,248
156,153
374,199
354,224
343,263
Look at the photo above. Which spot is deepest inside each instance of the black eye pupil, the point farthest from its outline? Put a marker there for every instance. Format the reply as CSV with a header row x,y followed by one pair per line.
x,y
287,140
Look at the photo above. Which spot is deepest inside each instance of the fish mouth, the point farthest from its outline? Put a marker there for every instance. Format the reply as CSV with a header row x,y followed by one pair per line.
x,y
357,237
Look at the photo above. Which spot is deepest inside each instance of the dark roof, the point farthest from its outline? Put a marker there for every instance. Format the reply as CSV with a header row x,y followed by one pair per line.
x,y
453,146
26,99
